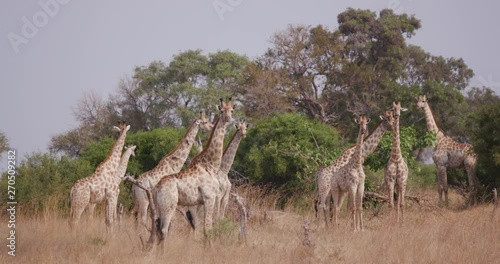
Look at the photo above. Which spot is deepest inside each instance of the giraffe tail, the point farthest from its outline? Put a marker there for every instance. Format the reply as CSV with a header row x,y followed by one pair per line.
x,y
190,219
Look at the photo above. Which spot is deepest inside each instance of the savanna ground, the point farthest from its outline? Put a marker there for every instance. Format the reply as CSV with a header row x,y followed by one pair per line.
x,y
428,235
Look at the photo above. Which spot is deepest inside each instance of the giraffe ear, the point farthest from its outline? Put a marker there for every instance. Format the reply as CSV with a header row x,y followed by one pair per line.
x,y
356,121
128,128
404,109
116,128
381,117
368,120
235,126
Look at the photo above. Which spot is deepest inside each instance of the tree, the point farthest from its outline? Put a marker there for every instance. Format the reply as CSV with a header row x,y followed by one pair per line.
x,y
285,150
486,137
4,143
95,119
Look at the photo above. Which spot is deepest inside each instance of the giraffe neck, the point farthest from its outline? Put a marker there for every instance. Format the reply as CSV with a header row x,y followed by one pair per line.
x,y
396,141
230,152
370,143
212,154
181,151
357,156
115,153
431,121
120,171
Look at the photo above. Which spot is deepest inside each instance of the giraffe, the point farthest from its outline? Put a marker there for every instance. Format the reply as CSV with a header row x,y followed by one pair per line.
x,y
112,186
396,170
169,164
350,180
324,175
198,184
227,162
93,188
448,153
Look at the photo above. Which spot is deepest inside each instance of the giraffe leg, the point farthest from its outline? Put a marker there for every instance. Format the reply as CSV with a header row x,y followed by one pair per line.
x,y
111,211
91,210
470,168
389,184
79,200
225,200
322,207
401,200
359,205
209,208
443,184
350,206
336,193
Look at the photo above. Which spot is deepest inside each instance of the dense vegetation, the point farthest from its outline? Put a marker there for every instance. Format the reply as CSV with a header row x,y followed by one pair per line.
x,y
301,94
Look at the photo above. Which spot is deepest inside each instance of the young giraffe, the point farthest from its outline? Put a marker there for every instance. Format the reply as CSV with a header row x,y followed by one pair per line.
x,y
113,186
396,171
170,164
324,175
93,188
350,179
448,153
198,184
227,162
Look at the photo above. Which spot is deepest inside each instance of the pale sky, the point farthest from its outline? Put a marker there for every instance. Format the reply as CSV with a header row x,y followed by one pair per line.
x,y
80,46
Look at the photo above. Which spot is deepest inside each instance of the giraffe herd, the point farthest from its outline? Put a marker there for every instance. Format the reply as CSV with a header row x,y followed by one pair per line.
x,y
205,183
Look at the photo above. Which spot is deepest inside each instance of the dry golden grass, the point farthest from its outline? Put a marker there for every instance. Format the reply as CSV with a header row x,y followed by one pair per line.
x,y
428,235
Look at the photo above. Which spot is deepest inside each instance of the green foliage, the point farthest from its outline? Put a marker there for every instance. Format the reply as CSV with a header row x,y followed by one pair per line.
x,y
224,231
486,141
44,181
286,150
4,143
408,138
422,176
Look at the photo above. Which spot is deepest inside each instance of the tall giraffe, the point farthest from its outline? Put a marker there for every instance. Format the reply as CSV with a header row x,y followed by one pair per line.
x,y
396,170
227,162
350,180
198,184
324,175
93,188
448,153
169,164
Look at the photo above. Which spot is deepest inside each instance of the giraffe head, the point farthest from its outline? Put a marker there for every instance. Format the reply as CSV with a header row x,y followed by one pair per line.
x,y
362,121
226,110
122,126
131,148
242,126
204,122
388,119
422,102
396,108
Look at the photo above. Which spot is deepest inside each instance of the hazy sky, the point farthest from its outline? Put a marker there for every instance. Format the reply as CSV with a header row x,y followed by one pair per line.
x,y
50,56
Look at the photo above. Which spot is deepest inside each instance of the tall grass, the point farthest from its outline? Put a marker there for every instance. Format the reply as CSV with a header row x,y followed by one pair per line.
x,y
428,235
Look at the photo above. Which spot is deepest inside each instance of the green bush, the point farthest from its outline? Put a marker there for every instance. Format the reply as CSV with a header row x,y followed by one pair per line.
x,y
486,141
285,151
43,182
